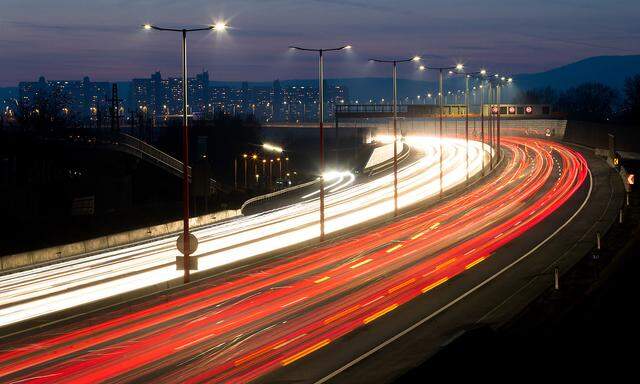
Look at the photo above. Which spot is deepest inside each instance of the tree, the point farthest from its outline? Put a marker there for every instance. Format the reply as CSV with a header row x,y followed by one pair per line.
x,y
589,102
546,95
631,105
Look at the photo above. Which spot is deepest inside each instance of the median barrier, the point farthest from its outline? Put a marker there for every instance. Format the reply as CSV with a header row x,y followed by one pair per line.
x,y
10,263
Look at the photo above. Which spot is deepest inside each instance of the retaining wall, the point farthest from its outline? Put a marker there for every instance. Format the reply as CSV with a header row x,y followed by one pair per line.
x,y
66,251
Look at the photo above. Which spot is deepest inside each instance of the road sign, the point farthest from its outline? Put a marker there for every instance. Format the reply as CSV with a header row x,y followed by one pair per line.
x,y
528,110
512,110
494,110
193,243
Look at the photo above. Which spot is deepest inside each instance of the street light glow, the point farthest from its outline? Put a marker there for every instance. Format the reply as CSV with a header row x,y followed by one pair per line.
x,y
416,58
422,68
459,67
273,148
348,47
483,72
147,26
220,26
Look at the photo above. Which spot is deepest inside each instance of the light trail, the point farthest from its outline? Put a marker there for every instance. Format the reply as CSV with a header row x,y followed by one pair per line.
x,y
243,327
44,290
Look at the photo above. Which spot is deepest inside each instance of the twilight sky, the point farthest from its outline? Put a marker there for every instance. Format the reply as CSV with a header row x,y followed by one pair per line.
x,y
67,39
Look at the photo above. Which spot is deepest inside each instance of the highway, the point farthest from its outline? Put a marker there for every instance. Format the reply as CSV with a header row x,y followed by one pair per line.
x,y
49,289
243,326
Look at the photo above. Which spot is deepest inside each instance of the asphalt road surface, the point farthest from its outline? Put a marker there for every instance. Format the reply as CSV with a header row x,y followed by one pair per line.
x,y
321,314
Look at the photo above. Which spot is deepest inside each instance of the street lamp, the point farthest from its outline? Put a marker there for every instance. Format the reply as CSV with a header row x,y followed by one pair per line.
x,y
458,67
272,148
219,26
394,63
244,156
468,75
499,85
320,52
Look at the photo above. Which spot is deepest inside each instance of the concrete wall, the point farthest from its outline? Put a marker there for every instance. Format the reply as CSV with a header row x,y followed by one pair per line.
x,y
456,127
61,252
627,136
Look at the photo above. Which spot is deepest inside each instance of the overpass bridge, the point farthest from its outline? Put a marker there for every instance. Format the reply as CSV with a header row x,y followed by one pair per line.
x,y
130,145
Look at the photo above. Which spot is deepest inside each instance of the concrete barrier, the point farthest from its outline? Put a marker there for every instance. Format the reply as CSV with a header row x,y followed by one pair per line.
x,y
103,243
624,175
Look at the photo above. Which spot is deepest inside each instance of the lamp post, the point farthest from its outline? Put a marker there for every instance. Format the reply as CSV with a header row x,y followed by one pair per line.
x,y
498,83
467,76
458,67
271,174
481,87
320,52
254,157
394,63
220,26
244,156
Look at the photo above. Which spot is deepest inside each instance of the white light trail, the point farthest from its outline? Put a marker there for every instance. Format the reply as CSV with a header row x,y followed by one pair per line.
x,y
48,289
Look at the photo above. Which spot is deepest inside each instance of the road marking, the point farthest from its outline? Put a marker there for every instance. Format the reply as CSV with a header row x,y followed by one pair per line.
x,y
361,263
253,355
294,301
289,341
442,265
433,285
400,286
322,279
434,226
461,297
417,235
341,314
305,352
394,248
380,313
474,263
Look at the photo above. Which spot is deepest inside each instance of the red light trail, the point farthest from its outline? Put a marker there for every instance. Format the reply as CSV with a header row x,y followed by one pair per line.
x,y
248,325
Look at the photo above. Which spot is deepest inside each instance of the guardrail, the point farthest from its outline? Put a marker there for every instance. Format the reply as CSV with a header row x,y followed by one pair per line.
x,y
277,193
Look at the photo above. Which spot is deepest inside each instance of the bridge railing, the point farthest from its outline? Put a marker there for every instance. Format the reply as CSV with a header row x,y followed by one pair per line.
x,y
273,195
144,149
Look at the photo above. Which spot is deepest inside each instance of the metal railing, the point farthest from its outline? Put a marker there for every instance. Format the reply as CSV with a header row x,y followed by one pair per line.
x,y
150,153
275,194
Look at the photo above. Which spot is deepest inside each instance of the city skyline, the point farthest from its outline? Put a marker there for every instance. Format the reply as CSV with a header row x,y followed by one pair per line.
x,y
514,37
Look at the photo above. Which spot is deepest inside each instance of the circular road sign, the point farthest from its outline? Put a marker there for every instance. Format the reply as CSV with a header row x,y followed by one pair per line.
x,y
193,243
